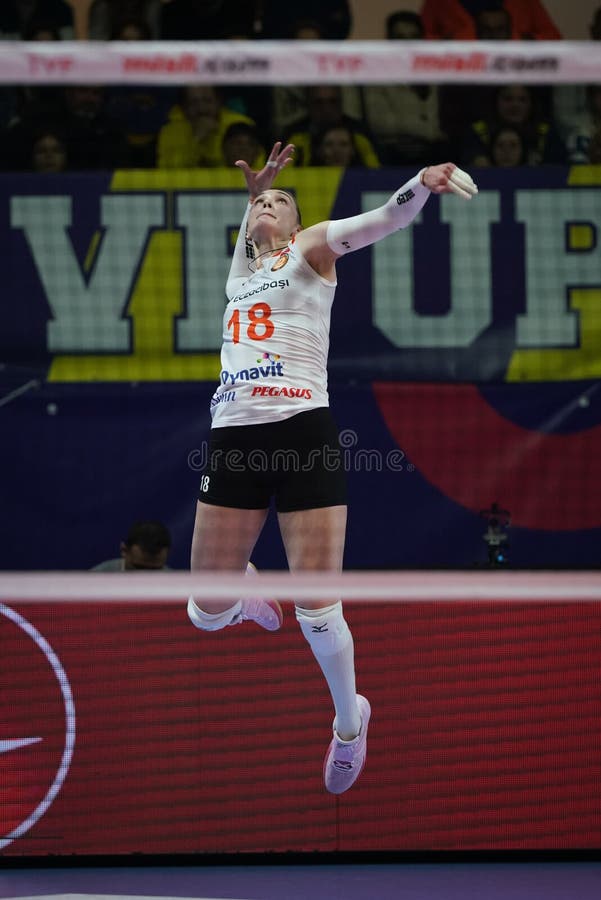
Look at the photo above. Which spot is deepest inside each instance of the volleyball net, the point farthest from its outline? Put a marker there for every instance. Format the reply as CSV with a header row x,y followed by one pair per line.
x,y
361,587
466,391
300,62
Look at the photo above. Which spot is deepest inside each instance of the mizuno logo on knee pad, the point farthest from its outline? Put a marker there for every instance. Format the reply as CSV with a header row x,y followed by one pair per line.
x,y
318,629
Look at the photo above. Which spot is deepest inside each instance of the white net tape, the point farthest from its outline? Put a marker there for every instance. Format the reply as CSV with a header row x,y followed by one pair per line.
x,y
300,62
405,587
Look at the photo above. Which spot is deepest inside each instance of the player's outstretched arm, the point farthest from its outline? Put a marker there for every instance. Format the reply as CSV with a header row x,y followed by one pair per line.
x,y
345,235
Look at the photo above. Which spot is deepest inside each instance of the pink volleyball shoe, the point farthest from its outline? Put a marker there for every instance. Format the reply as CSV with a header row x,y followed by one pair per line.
x,y
345,759
266,613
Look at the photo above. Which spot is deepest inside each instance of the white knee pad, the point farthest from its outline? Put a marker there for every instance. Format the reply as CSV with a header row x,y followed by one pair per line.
x,y
211,621
215,621
324,629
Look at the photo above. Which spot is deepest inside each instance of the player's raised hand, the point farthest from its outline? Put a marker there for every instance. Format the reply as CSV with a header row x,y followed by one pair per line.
x,y
448,178
262,180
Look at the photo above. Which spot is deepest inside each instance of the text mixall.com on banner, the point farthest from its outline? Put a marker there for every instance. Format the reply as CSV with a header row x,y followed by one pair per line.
x,y
277,62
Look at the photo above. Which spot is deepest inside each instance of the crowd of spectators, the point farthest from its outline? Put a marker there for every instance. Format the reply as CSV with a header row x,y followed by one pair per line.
x,y
88,127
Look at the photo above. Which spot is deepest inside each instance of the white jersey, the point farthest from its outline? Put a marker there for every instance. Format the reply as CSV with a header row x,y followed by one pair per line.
x,y
276,332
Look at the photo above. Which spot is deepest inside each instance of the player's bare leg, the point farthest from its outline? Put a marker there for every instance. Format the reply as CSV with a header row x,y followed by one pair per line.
x,y
314,541
223,540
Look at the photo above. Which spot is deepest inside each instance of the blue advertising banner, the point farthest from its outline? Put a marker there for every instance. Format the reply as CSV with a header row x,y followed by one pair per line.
x,y
464,365
122,278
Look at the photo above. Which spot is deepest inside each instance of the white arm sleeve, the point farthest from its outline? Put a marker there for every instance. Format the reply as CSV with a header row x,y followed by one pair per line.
x,y
239,271
346,235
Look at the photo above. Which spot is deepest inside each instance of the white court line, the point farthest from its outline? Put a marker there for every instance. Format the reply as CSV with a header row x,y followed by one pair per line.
x,y
106,897
491,585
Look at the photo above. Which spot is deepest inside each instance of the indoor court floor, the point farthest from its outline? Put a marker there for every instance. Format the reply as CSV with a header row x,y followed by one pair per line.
x,y
388,881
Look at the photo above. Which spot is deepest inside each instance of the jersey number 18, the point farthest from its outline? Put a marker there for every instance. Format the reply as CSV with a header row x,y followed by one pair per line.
x,y
259,326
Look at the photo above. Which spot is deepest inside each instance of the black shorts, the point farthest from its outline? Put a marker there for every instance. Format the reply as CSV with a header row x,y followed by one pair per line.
x,y
296,460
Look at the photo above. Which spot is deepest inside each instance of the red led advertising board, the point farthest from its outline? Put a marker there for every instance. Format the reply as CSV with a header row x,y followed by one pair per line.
x,y
124,730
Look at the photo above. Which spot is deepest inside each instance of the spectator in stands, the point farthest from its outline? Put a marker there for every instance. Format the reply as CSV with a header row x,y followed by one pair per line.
x,y
49,152
455,19
146,546
242,141
507,148
9,102
80,19
289,101
404,25
17,16
516,105
324,111
583,140
571,101
459,104
194,134
335,147
333,19
493,23
142,109
17,100
120,11
131,28
252,100
14,25
595,27
95,140
404,119
594,149
11,22
99,19
199,20
304,30
86,19
41,30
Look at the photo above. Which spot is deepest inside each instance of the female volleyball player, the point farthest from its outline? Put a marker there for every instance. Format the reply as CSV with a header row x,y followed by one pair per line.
x,y
272,434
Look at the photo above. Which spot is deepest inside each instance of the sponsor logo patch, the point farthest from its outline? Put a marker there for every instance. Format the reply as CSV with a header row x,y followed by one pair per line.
x,y
267,391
